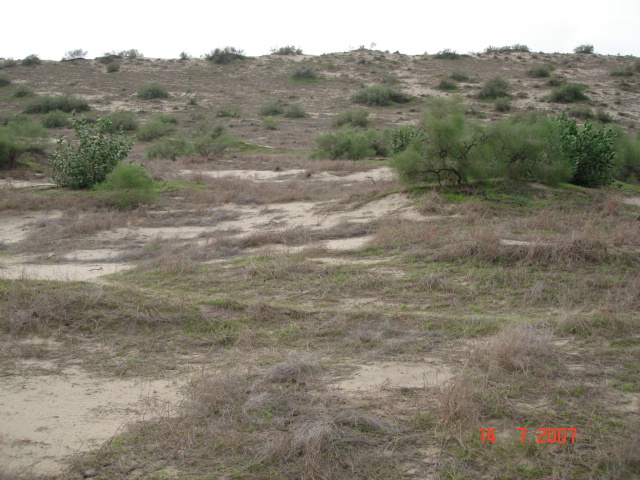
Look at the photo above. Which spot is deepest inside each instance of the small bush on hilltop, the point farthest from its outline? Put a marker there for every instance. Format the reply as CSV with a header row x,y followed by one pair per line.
x,y
507,49
569,93
379,96
31,60
583,49
152,91
225,55
91,158
8,63
447,54
74,55
65,103
495,87
357,117
286,50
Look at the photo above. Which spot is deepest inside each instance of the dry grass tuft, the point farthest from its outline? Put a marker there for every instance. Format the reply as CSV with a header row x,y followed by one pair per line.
x,y
296,370
456,401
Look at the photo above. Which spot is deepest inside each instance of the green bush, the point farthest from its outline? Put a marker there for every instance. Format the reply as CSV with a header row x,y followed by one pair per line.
x,y
627,158
447,85
112,67
295,110
74,55
447,54
169,148
18,136
495,87
507,49
65,103
350,145
269,124
184,56
569,93
286,50
154,129
108,58
225,55
589,151
212,144
152,91
459,76
127,186
123,120
304,73
357,117
555,81
271,109
380,96
4,80
540,71
31,60
583,49
22,91
91,158
502,104
56,119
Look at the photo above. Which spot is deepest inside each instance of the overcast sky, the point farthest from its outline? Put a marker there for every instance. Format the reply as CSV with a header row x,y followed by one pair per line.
x,y
164,29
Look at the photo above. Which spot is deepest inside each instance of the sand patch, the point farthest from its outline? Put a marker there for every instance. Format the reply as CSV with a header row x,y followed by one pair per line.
x,y
44,419
15,228
396,375
66,272
10,183
632,201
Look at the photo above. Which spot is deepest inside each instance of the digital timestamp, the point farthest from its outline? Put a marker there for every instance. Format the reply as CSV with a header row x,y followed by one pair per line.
x,y
544,435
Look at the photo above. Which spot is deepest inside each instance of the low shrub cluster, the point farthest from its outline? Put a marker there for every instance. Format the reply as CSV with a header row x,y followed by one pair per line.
x,y
349,144
152,91
448,148
507,49
31,60
459,76
379,96
495,87
226,55
205,140
447,54
127,186
541,71
64,103
155,128
569,93
358,117
22,91
293,110
56,119
286,50
76,54
304,73
447,85
112,67
8,63
586,48
19,136
123,120
4,80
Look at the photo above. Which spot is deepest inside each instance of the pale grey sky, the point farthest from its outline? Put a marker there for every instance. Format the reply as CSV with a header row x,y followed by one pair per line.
x,y
164,29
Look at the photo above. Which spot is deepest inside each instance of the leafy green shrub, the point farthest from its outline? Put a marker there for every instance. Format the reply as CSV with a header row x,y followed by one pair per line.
x,y
31,60
76,54
4,80
540,71
286,50
56,119
22,91
590,152
127,186
154,129
152,91
350,145
123,120
447,54
18,136
502,104
295,110
447,85
583,49
269,124
272,108
169,148
65,103
225,55
91,158
380,96
495,87
569,93
357,117
112,67
8,63
459,76
304,73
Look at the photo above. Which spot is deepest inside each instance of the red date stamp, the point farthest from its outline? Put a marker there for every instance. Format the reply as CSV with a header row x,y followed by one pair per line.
x,y
543,435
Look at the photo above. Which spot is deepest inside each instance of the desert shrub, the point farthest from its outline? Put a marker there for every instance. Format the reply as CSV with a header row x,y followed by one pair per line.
x,y
603,117
351,145
56,119
108,58
169,147
582,112
569,93
123,120
540,71
4,80
91,158
210,145
295,110
269,124
555,81
447,85
583,49
495,87
22,91
502,104
31,60
304,72
76,54
272,108
223,56
112,67
65,103
184,56
18,136
589,151
627,71
154,129
447,54
380,96
507,49
403,137
152,91
627,159
459,76
127,186
8,63
228,111
286,50
131,53
357,117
